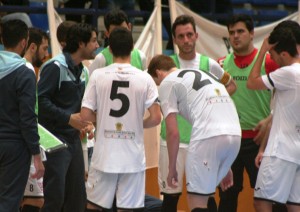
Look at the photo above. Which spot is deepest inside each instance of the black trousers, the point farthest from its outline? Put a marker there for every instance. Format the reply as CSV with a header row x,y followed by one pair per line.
x,y
14,170
64,186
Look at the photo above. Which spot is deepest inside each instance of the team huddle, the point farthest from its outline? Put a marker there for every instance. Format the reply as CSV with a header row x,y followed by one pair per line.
x,y
217,117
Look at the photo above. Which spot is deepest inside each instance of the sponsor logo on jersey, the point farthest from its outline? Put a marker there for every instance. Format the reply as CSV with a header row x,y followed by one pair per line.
x,y
119,133
240,78
218,92
119,126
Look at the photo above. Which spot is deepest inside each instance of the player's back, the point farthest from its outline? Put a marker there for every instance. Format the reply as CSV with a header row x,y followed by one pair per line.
x,y
204,101
123,94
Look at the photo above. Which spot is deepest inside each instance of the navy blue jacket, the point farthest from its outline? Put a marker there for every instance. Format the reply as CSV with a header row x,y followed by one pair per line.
x,y
60,91
18,121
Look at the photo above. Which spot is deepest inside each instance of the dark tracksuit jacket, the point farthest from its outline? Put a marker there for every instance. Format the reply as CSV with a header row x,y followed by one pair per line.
x,y
19,137
60,91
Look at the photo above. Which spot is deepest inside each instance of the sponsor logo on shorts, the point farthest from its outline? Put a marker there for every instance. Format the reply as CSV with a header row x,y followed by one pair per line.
x,y
257,189
164,184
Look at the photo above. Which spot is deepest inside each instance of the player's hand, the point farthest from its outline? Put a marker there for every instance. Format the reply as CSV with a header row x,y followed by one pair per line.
x,y
227,181
87,131
261,127
172,179
39,167
266,46
258,158
76,121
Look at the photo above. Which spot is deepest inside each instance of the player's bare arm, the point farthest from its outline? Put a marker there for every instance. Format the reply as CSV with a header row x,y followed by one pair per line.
x,y
173,147
264,142
154,118
255,81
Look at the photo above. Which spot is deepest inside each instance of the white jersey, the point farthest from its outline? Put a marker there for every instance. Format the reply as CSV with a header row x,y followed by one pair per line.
x,y
214,66
120,93
284,139
202,100
100,62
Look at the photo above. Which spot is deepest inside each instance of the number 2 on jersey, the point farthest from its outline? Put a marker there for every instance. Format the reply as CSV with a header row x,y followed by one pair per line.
x,y
121,96
197,81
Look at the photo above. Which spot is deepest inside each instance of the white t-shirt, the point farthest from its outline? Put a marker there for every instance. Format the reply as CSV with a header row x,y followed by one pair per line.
x,y
120,93
100,62
202,100
30,66
214,66
284,139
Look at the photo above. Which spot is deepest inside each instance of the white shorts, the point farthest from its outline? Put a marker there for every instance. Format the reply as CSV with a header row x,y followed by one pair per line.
x,y
129,189
208,161
163,168
278,180
34,187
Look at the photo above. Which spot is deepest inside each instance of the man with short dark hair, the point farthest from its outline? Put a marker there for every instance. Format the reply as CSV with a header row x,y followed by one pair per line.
x,y
119,94
252,106
59,101
35,55
116,18
279,172
19,139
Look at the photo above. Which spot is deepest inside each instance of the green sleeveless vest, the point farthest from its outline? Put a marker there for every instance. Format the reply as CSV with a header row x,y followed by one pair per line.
x,y
204,62
135,60
184,127
252,105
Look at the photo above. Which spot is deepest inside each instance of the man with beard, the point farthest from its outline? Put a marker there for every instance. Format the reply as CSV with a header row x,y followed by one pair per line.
x,y
19,139
35,55
60,91
37,48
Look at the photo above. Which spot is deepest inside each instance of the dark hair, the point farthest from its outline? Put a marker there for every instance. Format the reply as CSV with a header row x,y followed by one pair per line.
x,y
246,19
12,32
36,36
183,20
162,62
62,30
293,25
121,42
115,17
79,32
285,41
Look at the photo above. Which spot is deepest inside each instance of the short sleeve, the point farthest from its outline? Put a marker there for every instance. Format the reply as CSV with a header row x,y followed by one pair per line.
x,y
168,99
216,69
152,94
281,79
90,95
